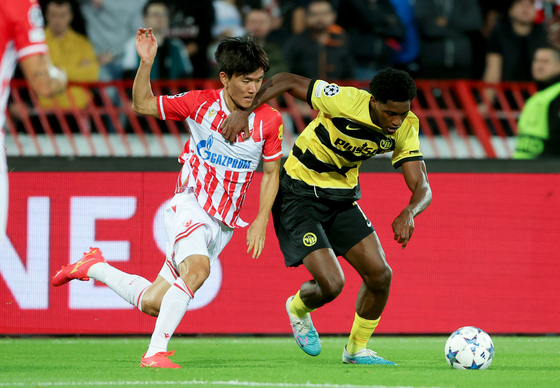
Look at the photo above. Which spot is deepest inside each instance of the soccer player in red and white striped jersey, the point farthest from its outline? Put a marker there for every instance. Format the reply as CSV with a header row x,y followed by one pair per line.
x,y
210,190
22,39
218,172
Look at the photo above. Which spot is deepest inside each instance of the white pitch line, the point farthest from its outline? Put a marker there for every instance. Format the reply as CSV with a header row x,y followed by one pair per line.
x,y
196,382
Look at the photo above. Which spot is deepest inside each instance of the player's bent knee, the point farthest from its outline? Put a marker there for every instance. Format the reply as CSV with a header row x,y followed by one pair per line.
x,y
379,278
150,300
194,271
151,311
151,305
332,289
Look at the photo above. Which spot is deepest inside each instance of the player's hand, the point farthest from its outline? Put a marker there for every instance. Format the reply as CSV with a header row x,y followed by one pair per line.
x,y
237,121
146,45
59,79
256,235
403,227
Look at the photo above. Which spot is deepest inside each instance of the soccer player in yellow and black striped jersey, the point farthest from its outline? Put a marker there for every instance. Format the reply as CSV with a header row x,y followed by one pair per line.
x,y
316,216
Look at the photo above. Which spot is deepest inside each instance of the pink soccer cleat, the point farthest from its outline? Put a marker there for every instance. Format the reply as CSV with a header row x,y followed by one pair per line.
x,y
79,269
159,360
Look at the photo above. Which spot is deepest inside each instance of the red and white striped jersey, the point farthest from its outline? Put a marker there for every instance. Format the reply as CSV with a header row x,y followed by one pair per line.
x,y
21,35
219,172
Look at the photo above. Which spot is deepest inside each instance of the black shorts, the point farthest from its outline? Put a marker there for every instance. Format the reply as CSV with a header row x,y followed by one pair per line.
x,y
305,224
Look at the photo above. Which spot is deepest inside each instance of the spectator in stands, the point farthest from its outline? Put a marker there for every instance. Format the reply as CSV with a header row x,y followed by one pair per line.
x,y
293,15
70,51
539,123
445,28
273,7
513,43
405,56
109,25
279,30
374,32
321,51
228,22
491,11
192,21
78,23
545,10
172,59
259,23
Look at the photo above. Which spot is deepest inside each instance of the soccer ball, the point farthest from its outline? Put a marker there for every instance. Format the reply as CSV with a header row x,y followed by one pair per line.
x,y
469,348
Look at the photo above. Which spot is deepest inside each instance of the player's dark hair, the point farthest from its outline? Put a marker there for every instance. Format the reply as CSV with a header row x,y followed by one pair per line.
x,y
150,3
61,2
511,3
392,84
240,56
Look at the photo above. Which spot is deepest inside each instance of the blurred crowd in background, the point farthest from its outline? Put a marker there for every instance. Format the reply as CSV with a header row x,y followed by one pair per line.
x,y
334,40
491,40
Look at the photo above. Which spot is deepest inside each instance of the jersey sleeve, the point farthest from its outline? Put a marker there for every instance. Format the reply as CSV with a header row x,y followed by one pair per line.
x,y
177,107
532,128
493,43
407,146
330,98
29,35
274,133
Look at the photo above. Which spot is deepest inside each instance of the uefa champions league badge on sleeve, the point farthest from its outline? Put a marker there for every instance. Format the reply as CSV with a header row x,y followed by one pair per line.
x,y
171,97
318,88
331,90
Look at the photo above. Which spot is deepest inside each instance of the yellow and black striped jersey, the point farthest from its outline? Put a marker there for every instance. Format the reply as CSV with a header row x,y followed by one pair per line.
x,y
326,156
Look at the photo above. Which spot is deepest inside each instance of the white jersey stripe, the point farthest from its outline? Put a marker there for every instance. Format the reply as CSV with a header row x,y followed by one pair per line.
x,y
198,110
172,268
34,49
187,232
272,157
161,110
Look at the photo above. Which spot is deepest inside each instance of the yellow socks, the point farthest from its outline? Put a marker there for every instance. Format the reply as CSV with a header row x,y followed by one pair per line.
x,y
298,308
362,329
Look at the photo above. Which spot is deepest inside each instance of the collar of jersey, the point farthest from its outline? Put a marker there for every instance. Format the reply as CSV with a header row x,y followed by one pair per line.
x,y
223,103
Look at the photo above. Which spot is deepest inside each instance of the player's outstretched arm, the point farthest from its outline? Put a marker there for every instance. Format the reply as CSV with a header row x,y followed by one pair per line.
x,y
44,78
237,121
256,233
143,100
416,178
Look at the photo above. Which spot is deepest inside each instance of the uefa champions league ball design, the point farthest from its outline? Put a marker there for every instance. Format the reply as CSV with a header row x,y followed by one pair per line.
x,y
469,348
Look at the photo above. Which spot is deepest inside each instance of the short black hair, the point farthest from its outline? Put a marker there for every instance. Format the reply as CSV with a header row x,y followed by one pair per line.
x,y
152,2
62,2
392,84
240,56
513,2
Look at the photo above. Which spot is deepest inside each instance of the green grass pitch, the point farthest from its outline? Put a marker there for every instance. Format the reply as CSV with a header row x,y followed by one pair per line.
x,y
270,362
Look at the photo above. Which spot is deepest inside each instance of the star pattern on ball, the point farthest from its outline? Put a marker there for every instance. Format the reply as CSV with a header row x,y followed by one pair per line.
x,y
455,333
472,341
476,366
451,356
